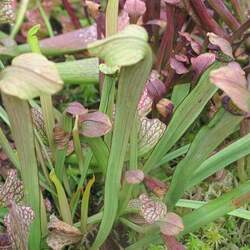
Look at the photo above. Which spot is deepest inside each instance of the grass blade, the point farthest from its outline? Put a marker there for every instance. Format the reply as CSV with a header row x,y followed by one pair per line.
x,y
226,156
76,196
85,205
184,116
173,155
62,199
207,140
240,212
180,92
20,17
217,208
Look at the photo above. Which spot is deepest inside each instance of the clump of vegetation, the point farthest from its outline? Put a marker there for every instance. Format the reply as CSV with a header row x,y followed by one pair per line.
x,y
118,121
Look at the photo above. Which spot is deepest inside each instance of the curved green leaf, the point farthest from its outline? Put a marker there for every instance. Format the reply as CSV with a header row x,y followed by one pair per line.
x,y
30,76
123,49
62,199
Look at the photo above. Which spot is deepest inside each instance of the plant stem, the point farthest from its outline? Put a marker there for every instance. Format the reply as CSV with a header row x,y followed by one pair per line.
x,y
67,43
135,227
166,46
74,19
238,10
107,101
85,10
45,19
82,71
240,31
127,189
20,16
191,12
46,100
206,20
76,196
224,13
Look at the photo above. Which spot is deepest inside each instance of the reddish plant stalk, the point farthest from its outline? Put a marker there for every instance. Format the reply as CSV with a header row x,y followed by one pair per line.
x,y
152,13
166,46
206,20
224,13
74,19
240,31
191,12
180,19
153,10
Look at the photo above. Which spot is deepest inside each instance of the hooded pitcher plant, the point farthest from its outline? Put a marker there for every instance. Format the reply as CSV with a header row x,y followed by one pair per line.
x,y
30,75
130,52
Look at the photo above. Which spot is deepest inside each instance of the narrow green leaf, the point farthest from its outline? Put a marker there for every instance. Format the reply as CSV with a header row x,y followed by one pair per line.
x,y
8,149
126,192
4,116
183,117
207,140
217,208
76,196
49,119
20,16
62,199
85,205
240,212
45,18
77,145
173,155
107,101
180,92
100,151
223,158
22,131
44,224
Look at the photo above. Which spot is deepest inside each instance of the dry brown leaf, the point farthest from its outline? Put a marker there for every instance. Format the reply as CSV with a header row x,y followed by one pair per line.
x,y
62,234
